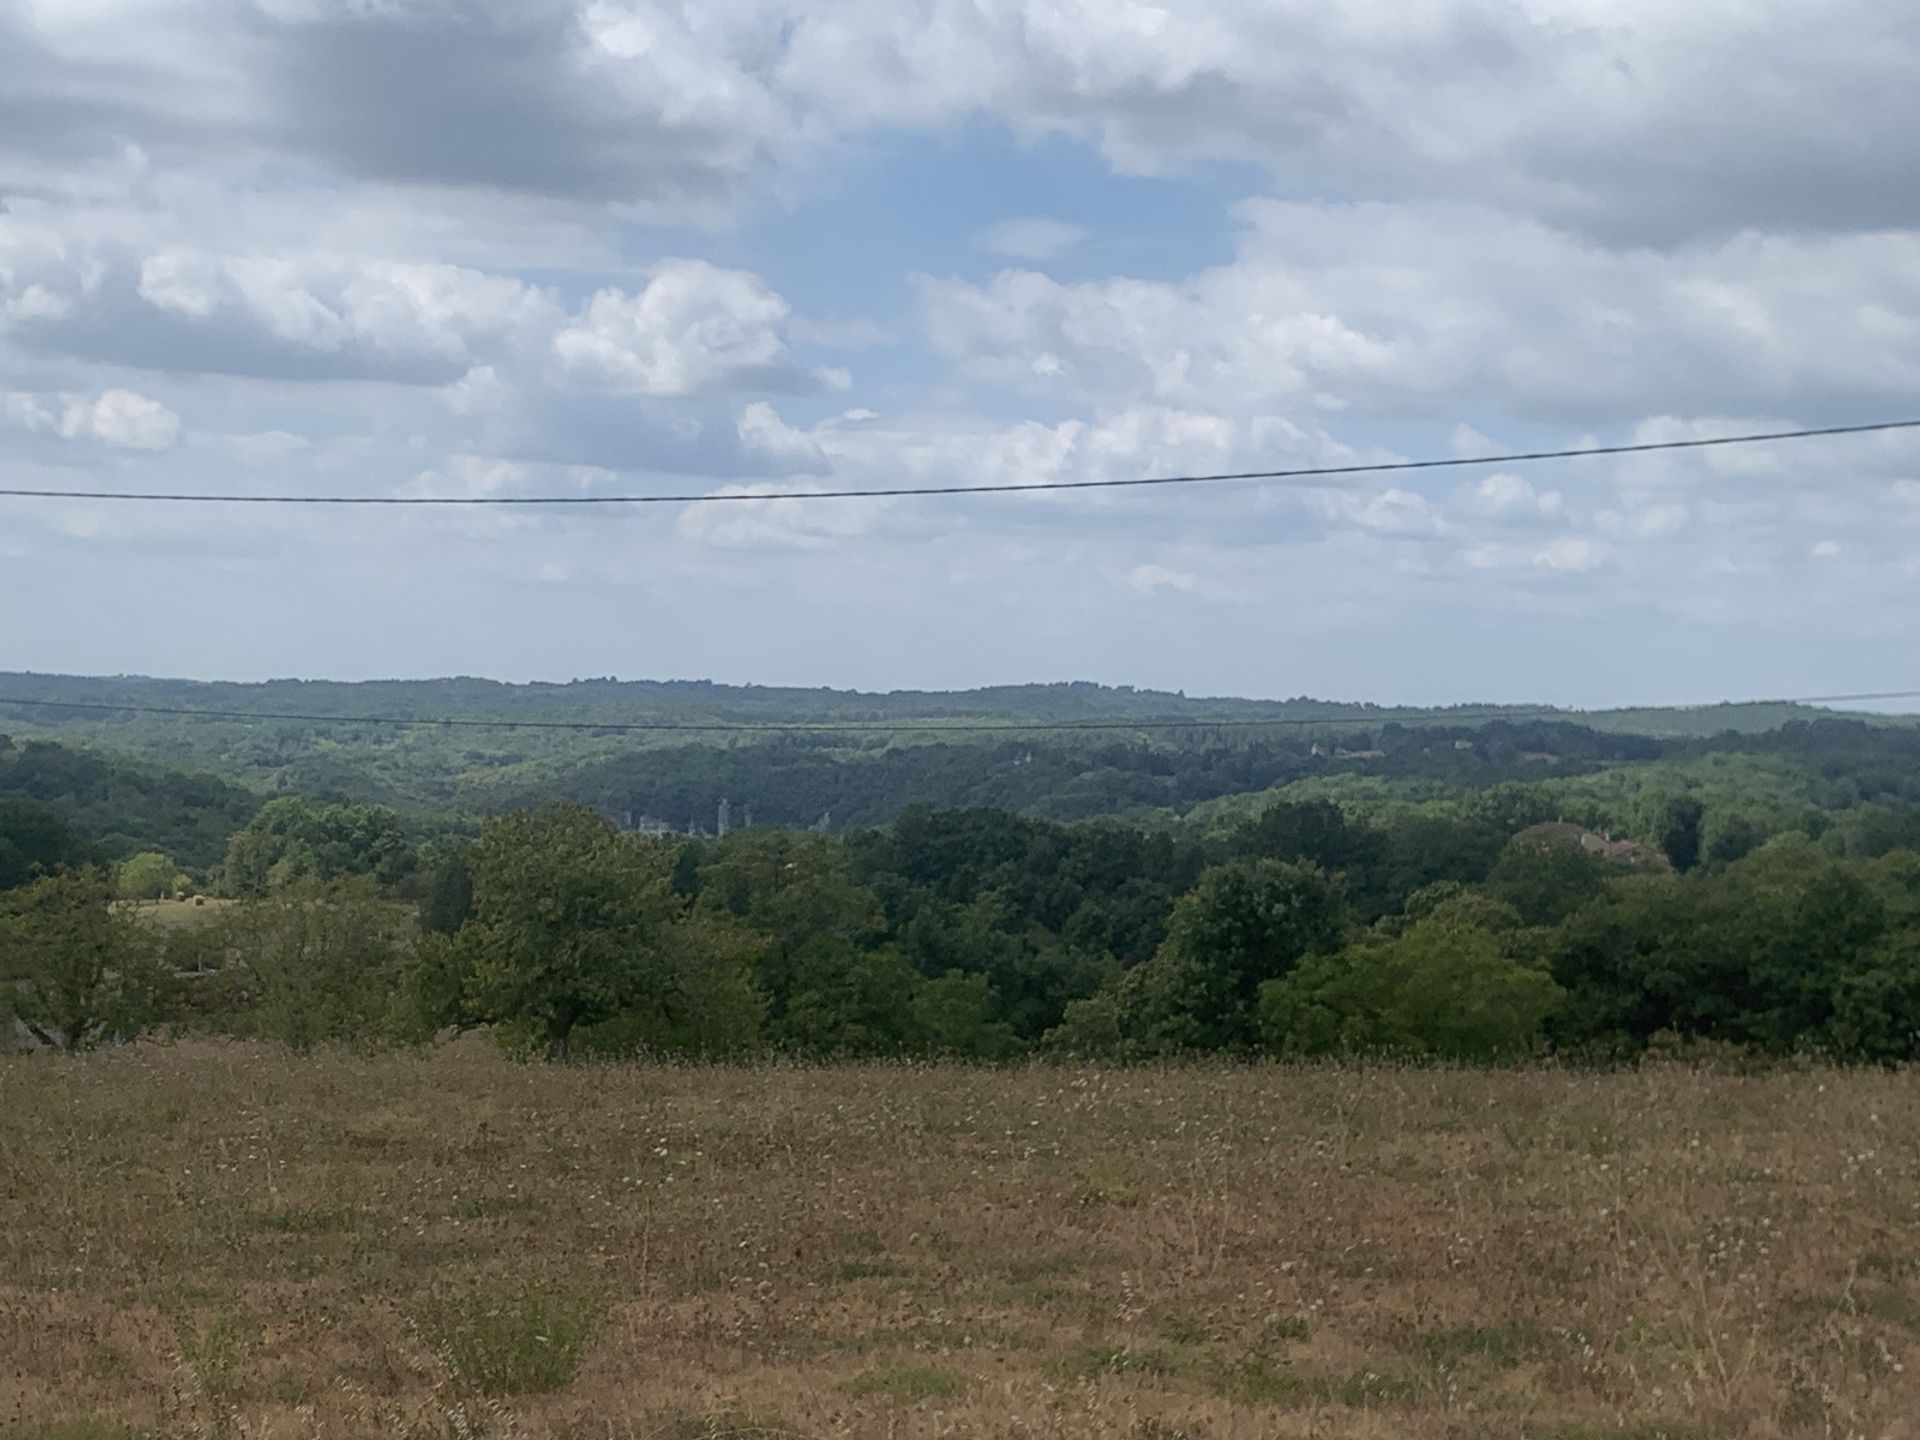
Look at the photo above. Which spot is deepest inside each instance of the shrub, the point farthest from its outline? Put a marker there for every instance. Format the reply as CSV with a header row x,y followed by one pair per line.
x,y
73,970
512,1339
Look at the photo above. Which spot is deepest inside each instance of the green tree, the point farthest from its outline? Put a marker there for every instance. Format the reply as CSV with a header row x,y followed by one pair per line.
x,y
1031,972
75,971
1547,878
1673,822
1442,989
293,840
32,840
1316,831
799,895
1754,954
317,963
954,1014
1730,835
1430,849
576,925
1243,924
447,902
1876,1007
146,876
854,1002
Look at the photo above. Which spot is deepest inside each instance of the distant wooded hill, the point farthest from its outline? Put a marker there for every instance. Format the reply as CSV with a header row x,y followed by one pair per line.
x,y
421,764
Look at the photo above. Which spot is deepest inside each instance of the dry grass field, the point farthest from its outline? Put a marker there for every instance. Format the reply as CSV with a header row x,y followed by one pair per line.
x,y
210,1240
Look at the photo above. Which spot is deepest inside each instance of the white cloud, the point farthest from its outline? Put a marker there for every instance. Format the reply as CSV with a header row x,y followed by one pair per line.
x,y
1570,552
1507,496
120,418
479,390
866,449
1392,309
1565,555
26,412
469,476
315,303
1637,121
1029,237
1149,579
693,326
1389,512
123,418
1640,120
762,429
34,302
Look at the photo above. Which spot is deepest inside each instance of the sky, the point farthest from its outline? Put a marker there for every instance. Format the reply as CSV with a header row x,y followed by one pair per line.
x,y
524,247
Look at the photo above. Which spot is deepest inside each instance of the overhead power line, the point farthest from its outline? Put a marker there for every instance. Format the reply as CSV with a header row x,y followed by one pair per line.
x,y
950,727
1383,467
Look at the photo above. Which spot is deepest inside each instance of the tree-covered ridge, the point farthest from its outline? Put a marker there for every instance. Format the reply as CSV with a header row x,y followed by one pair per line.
x,y
1808,776
122,807
421,764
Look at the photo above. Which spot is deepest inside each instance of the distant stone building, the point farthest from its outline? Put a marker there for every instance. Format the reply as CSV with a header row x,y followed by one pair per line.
x,y
1564,833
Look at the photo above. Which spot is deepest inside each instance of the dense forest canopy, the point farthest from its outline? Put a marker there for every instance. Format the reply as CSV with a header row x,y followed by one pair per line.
x,y
123,806
1478,891
422,764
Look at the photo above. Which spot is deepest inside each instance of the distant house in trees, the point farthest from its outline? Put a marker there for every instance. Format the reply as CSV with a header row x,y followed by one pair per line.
x,y
1564,833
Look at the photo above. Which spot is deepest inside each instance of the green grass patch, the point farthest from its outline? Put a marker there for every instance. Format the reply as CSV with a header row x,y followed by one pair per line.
x,y
79,1430
1033,1295
1184,1330
1091,1361
1109,1182
1044,1267
308,1220
1633,1430
486,1207
217,1355
1894,1306
906,1382
1887,1267
512,1339
1502,1346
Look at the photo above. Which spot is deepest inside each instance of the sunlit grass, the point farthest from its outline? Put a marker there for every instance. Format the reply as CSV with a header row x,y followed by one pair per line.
x,y
206,1240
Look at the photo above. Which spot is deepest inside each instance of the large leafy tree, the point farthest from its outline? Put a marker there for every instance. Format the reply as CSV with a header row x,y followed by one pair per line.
x,y
1765,952
32,841
73,969
578,928
1548,878
799,895
1243,924
1674,822
294,840
146,876
860,1002
1031,973
1443,988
